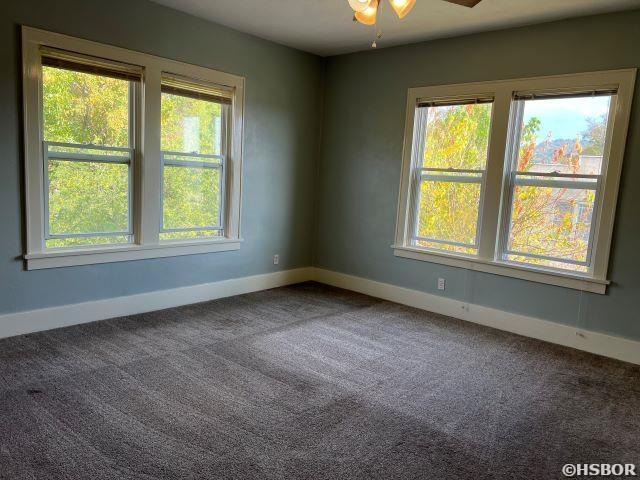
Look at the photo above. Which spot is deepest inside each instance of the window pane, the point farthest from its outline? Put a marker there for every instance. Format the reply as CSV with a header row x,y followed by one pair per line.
x,y
457,136
88,197
190,125
449,211
85,108
191,197
564,135
551,222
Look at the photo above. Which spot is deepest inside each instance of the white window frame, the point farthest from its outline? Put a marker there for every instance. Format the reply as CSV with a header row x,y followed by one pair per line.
x,y
550,180
199,160
147,171
419,173
495,195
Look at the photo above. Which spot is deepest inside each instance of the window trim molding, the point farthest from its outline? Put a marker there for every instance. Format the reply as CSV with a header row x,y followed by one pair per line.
x,y
494,194
128,252
147,175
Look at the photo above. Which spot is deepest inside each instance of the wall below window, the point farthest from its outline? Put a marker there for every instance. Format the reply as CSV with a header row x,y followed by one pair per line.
x,y
362,153
283,91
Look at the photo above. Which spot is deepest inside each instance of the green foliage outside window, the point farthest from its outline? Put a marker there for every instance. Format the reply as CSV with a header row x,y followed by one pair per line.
x,y
191,196
93,197
86,197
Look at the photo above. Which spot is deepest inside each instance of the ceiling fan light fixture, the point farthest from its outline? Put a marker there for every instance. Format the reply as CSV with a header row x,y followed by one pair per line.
x,y
368,15
402,7
360,5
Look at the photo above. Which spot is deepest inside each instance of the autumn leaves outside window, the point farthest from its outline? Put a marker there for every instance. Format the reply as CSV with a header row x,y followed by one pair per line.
x,y
552,181
449,176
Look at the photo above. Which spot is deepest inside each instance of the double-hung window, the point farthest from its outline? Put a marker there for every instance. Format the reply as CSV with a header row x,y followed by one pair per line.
x,y
516,178
451,144
127,155
89,131
555,178
194,147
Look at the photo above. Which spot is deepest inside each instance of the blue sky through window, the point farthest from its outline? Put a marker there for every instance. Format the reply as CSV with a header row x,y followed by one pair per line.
x,y
565,117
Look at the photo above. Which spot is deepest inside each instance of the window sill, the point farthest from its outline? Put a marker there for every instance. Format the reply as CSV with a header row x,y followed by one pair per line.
x,y
124,253
576,282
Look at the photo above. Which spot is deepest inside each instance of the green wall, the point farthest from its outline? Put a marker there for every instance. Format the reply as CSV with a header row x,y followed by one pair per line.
x,y
365,97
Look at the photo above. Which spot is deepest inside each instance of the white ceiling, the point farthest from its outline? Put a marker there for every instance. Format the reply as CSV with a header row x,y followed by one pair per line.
x,y
325,27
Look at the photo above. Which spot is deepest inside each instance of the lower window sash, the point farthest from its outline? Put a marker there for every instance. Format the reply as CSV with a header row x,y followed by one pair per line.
x,y
547,257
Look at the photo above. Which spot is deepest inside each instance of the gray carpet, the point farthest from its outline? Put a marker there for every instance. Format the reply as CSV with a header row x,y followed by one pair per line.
x,y
306,382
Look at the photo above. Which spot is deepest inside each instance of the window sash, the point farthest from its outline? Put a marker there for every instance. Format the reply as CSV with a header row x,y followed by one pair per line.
x,y
447,179
86,158
422,174
198,164
513,179
178,85
596,187
86,64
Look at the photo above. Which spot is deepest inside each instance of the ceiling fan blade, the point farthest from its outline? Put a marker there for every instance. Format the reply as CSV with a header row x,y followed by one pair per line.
x,y
465,3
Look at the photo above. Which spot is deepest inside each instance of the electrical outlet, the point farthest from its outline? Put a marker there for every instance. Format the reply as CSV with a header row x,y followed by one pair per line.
x,y
276,259
441,284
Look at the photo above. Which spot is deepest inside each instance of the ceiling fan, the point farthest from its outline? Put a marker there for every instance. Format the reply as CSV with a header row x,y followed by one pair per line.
x,y
366,11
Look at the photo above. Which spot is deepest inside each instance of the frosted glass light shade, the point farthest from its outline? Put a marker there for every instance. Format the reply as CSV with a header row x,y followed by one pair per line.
x,y
368,16
360,5
402,7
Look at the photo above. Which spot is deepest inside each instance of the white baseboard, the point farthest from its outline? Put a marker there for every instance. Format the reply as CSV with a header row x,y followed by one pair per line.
x,y
47,318
593,342
55,317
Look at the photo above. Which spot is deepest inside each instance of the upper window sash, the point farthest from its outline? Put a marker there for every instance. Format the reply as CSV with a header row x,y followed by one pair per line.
x,y
500,176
